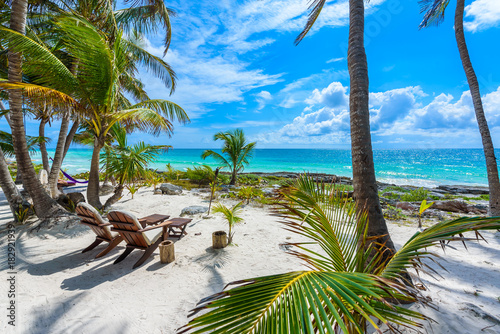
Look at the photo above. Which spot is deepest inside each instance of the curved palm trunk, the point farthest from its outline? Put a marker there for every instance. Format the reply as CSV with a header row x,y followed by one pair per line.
x,y
70,136
489,151
233,176
93,185
43,147
9,188
364,182
44,205
115,198
58,156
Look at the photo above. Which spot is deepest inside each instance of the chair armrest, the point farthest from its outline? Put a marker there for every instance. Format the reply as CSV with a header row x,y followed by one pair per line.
x,y
105,224
149,228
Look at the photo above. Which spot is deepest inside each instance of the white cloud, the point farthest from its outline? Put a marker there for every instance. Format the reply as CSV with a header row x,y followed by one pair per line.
x,y
262,98
483,14
397,116
334,60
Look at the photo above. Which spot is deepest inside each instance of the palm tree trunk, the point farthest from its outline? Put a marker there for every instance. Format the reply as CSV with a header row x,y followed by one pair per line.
x,y
9,188
58,156
93,185
71,135
489,151
364,182
115,198
233,176
43,147
45,206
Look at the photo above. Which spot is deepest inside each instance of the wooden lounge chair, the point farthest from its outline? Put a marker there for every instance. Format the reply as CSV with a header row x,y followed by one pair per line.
x,y
134,234
90,217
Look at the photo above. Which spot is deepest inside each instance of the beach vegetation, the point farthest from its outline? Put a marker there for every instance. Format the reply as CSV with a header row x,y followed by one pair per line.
x,y
434,11
231,216
133,188
394,213
236,152
248,193
200,174
22,214
128,164
415,195
423,207
396,188
351,282
249,179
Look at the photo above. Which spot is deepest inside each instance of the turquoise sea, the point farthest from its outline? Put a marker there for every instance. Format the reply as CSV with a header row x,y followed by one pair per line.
x,y
411,167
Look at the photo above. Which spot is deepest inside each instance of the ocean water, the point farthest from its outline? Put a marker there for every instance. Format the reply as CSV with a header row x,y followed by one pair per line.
x,y
405,167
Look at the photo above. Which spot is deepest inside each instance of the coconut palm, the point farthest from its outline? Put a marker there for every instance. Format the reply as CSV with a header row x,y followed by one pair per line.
x,y
96,90
128,164
236,152
231,215
434,14
343,291
45,206
363,169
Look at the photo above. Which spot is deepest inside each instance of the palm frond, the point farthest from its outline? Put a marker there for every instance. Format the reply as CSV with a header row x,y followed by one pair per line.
x,y
299,302
433,12
316,6
170,110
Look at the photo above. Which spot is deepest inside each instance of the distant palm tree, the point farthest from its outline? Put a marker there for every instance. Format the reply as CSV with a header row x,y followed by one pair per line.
x,y
342,291
363,168
236,152
434,14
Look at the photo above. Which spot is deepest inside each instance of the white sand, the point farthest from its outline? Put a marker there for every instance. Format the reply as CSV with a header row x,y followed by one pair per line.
x,y
61,290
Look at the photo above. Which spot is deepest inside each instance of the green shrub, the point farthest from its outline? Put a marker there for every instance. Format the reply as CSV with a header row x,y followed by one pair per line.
x,y
201,175
249,179
249,193
395,188
22,214
417,195
485,197
393,213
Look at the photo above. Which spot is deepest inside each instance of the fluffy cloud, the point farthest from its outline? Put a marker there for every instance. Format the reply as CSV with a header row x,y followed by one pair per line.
x,y
397,116
483,14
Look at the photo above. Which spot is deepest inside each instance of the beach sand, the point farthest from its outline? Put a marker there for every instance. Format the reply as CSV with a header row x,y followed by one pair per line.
x,y
61,290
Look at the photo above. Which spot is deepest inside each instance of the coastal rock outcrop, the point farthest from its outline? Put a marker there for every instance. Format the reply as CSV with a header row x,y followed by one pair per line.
x,y
170,189
464,190
194,210
459,207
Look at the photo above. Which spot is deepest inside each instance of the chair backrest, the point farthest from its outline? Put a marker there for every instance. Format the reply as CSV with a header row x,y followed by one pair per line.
x,y
93,219
128,226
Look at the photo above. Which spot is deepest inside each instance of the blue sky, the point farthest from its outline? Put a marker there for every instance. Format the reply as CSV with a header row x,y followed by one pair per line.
x,y
238,67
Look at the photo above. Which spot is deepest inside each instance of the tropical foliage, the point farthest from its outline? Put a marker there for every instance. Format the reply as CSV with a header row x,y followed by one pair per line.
x,y
236,152
351,283
231,215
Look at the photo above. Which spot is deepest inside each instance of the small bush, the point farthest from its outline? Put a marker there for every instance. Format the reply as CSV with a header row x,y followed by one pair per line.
x,y
394,188
249,179
249,193
417,195
394,213
201,175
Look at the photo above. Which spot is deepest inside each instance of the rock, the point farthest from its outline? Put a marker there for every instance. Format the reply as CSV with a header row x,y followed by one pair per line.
x,y
458,206
405,206
76,197
388,201
436,194
193,210
157,191
170,189
106,189
465,190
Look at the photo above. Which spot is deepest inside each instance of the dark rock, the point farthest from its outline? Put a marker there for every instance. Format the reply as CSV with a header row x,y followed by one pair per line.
x,y
406,206
193,210
157,191
459,207
106,189
465,190
170,189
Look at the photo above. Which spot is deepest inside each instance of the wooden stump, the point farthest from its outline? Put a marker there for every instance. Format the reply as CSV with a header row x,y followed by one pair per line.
x,y
167,253
219,239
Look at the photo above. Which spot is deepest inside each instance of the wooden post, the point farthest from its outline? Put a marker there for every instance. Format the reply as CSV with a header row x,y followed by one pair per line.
x,y
167,253
219,239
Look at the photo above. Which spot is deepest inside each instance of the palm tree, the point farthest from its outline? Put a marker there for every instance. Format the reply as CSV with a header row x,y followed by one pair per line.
x,y
363,169
434,14
45,206
236,152
128,164
96,90
343,291
231,215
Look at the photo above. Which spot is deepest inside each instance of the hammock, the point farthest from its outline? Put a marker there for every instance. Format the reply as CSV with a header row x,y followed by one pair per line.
x,y
69,176
72,179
